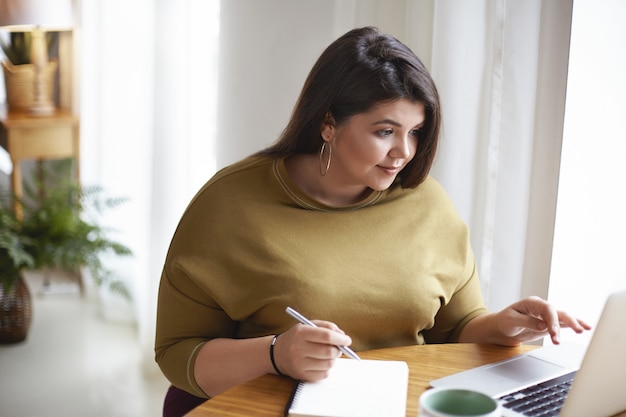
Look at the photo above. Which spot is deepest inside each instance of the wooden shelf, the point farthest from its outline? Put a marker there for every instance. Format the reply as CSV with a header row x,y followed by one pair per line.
x,y
34,137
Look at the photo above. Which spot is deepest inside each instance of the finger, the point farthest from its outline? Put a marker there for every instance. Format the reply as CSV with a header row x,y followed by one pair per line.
x,y
553,324
313,369
317,343
297,353
316,371
329,336
537,308
328,325
567,320
536,325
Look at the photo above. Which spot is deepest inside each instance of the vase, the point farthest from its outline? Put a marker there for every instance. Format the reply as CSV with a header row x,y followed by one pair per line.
x,y
20,84
15,312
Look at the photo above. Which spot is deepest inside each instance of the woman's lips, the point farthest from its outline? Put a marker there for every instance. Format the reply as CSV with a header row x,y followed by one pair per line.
x,y
390,170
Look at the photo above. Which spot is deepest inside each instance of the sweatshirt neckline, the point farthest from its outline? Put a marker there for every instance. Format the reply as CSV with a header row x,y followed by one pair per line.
x,y
305,201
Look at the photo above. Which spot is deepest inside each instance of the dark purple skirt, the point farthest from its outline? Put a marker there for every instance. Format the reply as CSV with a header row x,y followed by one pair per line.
x,y
177,402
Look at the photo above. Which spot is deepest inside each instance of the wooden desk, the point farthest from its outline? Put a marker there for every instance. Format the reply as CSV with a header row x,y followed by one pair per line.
x,y
267,395
30,137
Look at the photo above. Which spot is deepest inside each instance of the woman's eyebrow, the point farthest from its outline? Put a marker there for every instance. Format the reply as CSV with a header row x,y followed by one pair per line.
x,y
394,123
387,122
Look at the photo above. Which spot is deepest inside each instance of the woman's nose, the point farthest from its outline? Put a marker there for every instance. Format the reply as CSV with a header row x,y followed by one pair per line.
x,y
402,147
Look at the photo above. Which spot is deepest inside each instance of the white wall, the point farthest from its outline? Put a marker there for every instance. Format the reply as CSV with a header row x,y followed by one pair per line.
x,y
259,88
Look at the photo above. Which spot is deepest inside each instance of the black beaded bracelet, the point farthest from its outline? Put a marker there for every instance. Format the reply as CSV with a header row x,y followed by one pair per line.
x,y
272,355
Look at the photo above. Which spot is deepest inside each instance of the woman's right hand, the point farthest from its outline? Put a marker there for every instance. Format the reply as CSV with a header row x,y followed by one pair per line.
x,y
307,353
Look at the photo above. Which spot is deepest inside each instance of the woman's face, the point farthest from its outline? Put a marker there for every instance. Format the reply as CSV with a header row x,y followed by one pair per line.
x,y
370,149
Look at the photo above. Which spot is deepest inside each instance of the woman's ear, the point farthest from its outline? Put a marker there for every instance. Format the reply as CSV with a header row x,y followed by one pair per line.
x,y
328,128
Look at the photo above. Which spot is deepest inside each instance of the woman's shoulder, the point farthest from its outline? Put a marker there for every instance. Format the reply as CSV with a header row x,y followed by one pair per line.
x,y
430,190
431,185
236,179
245,167
428,200
238,174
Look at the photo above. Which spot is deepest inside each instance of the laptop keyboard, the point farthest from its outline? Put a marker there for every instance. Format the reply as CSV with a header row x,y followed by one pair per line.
x,y
541,400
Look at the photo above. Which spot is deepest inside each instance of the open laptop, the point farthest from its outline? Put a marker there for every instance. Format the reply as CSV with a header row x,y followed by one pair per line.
x,y
600,372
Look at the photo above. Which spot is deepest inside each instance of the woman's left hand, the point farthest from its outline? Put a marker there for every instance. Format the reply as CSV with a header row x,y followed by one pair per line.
x,y
533,318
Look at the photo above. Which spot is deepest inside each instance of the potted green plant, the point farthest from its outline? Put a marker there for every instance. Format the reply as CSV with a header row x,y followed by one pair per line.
x,y
17,47
15,306
61,221
59,229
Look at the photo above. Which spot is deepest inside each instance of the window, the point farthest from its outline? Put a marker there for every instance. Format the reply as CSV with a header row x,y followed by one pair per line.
x,y
589,252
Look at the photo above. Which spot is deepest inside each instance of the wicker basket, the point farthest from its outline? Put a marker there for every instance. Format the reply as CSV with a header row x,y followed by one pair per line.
x,y
20,84
15,313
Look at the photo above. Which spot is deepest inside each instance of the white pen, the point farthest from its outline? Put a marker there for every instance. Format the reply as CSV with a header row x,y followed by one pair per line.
x,y
346,350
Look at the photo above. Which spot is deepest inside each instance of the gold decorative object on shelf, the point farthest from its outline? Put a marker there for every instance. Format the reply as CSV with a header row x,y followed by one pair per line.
x,y
20,84
35,17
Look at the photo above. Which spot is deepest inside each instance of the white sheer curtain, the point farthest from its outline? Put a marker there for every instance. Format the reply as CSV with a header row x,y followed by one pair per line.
x,y
148,122
149,112
501,67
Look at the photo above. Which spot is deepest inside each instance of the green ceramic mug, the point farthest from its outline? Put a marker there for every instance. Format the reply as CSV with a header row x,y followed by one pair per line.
x,y
456,402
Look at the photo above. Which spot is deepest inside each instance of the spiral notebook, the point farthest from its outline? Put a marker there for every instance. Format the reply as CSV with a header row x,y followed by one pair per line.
x,y
366,388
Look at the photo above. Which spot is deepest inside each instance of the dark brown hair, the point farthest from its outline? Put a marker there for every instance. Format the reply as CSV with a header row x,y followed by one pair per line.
x,y
359,70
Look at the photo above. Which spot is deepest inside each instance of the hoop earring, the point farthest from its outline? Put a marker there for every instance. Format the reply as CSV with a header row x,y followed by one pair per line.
x,y
330,154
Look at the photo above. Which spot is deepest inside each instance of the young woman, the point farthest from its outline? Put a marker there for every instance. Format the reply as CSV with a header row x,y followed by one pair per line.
x,y
339,220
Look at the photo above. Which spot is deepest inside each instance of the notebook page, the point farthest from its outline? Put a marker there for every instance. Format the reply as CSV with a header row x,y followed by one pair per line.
x,y
355,388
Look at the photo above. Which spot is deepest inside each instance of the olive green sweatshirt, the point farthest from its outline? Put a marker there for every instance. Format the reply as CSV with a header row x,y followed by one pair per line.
x,y
395,269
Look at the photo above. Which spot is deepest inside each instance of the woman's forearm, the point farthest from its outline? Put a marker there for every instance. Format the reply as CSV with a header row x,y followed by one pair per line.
x,y
302,352
484,329
224,363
